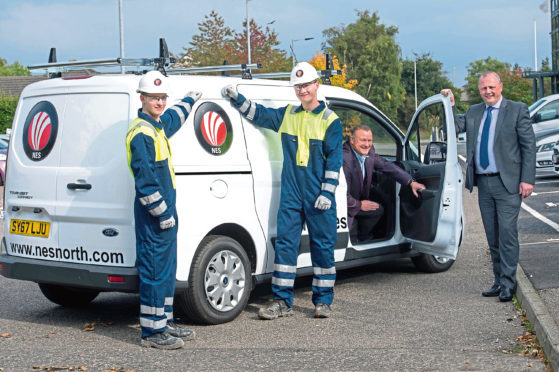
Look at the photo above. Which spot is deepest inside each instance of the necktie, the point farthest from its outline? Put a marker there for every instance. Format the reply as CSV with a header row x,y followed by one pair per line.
x,y
484,145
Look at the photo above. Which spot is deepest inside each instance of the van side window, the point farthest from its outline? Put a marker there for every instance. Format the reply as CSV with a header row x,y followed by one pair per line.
x,y
383,141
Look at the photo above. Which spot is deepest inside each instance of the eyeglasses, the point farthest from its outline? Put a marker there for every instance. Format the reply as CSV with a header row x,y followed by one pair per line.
x,y
156,98
304,86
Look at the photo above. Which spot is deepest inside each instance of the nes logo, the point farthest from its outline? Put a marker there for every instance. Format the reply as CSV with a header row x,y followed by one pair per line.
x,y
40,130
213,128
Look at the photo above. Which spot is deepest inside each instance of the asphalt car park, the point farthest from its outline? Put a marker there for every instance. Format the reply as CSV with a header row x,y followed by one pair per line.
x,y
386,317
539,232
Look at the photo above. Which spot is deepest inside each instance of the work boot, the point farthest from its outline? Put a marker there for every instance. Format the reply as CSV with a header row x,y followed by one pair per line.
x,y
174,330
162,340
322,311
277,310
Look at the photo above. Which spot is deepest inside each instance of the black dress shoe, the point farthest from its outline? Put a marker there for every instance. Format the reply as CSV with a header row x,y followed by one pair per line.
x,y
506,294
494,291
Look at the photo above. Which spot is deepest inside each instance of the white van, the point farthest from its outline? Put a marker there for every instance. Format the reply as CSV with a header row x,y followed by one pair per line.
x,y
68,206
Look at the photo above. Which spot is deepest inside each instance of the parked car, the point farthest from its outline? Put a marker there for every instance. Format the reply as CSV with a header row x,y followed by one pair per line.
x,y
555,157
3,154
545,113
545,142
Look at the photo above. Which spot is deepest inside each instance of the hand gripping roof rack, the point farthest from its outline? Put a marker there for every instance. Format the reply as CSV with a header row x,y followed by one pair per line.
x,y
55,69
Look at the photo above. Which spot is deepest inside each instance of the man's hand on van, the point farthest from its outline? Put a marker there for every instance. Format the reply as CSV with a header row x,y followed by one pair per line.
x,y
230,92
322,203
195,95
448,92
167,224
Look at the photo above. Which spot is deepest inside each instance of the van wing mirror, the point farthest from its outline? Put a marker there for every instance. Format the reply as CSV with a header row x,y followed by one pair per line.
x,y
435,153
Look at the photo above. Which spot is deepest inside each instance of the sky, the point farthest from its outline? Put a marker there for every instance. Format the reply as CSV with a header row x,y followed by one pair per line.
x,y
452,31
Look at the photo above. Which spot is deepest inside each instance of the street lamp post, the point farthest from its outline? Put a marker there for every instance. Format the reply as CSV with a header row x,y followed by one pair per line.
x,y
293,51
121,30
248,32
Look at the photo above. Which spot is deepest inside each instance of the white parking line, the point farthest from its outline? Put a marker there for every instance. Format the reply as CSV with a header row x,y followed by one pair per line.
x,y
537,183
548,241
462,158
545,192
540,217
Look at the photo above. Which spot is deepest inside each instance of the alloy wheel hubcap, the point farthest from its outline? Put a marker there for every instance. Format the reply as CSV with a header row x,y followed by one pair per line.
x,y
224,281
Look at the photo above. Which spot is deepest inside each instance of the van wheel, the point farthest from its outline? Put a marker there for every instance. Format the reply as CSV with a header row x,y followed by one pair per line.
x,y
432,264
68,296
219,284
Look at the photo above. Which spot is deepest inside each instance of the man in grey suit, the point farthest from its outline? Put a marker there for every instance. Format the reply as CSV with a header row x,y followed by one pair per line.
x,y
501,162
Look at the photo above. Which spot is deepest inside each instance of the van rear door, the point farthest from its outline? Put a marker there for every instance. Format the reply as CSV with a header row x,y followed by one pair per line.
x,y
82,188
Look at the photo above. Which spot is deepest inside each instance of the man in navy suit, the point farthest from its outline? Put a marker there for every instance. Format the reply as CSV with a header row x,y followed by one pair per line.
x,y
501,162
360,161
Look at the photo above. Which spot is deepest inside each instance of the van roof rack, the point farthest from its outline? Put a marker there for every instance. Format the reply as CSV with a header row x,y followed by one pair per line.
x,y
162,63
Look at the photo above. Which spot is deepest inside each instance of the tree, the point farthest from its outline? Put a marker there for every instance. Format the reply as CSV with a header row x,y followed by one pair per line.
x,y
319,62
372,57
217,43
263,49
14,69
515,87
212,46
430,80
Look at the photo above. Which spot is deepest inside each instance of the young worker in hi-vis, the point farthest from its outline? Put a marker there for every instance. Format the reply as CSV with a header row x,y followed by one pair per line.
x,y
149,158
311,136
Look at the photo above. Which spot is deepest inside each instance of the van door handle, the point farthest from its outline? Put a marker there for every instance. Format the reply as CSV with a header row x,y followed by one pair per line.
x,y
79,186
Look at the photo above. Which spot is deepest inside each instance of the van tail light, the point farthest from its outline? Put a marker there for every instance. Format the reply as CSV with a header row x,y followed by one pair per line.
x,y
6,176
116,279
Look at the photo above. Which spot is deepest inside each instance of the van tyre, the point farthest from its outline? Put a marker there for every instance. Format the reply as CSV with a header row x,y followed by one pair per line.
x,y
432,264
68,296
436,264
220,282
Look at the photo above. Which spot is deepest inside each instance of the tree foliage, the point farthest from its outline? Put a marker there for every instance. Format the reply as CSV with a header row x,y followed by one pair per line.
x,y
263,49
217,43
430,80
14,69
213,45
319,62
8,106
515,87
372,57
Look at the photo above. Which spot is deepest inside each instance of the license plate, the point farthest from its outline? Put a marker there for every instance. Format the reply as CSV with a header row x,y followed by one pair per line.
x,y
30,228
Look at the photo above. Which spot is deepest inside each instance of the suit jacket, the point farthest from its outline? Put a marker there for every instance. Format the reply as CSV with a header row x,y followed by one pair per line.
x,y
358,190
514,146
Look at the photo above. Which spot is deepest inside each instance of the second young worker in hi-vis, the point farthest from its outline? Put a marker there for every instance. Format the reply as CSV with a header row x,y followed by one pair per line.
x,y
156,221
311,136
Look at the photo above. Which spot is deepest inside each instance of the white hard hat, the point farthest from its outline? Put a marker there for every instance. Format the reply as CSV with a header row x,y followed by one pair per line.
x,y
302,73
153,82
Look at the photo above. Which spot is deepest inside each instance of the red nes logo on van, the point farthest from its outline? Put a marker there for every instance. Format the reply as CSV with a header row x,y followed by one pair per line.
x,y
213,128
40,130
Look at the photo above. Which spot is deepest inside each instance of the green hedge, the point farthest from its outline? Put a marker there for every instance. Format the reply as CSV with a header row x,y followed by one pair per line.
x,y
8,106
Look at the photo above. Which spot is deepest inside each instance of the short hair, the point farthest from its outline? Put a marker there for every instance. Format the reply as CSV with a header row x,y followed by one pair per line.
x,y
364,127
487,73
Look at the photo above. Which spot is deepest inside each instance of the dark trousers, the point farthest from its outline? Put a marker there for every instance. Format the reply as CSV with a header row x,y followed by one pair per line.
x,y
364,223
499,212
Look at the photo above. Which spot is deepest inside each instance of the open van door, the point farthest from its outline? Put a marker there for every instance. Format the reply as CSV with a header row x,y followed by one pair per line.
x,y
433,222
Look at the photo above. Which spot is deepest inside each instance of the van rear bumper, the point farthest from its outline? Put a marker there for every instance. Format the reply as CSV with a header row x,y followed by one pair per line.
x,y
70,274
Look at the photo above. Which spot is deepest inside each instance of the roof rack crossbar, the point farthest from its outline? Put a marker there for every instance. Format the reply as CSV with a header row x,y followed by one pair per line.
x,y
275,75
217,68
129,62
